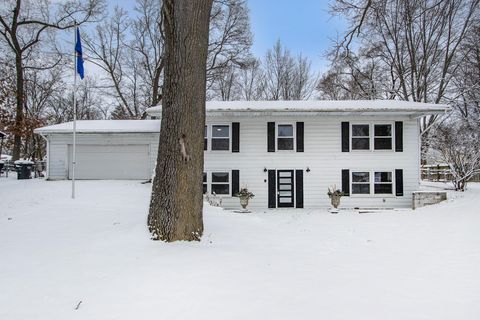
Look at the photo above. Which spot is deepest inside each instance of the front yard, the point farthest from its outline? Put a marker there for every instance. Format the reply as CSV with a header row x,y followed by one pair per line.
x,y
91,258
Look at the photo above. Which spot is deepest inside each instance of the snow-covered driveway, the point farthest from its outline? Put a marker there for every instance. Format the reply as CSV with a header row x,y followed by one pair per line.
x,y
286,264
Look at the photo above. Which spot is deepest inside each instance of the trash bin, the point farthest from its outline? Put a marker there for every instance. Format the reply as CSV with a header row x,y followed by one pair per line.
x,y
24,169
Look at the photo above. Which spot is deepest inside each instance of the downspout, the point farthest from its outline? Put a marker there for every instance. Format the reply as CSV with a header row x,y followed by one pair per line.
x,y
48,155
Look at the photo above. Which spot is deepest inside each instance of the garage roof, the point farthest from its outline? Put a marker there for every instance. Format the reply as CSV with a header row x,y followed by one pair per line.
x,y
93,126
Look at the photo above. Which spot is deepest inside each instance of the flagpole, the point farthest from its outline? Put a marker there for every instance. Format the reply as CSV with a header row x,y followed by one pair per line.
x,y
74,155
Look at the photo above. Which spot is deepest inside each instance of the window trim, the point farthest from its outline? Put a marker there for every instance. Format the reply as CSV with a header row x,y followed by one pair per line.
x,y
210,181
294,136
372,193
371,136
210,137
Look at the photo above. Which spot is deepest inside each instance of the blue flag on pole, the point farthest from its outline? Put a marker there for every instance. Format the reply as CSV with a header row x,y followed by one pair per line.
x,y
78,51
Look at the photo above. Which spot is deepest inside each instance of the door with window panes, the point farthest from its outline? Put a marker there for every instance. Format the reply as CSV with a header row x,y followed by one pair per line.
x,y
285,193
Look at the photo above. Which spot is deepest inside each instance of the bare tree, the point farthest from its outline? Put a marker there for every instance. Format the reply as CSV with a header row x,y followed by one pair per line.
x,y
225,84
417,42
467,80
131,53
176,202
251,80
109,49
230,38
286,77
356,76
458,144
303,79
24,25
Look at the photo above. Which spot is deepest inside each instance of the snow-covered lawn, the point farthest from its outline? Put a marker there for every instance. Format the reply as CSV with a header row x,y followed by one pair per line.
x,y
285,264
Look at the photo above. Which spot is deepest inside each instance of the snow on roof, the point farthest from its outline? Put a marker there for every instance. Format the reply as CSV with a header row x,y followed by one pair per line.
x,y
320,106
93,126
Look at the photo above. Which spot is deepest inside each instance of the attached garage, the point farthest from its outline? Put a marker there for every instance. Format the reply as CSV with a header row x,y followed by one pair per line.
x,y
106,149
110,162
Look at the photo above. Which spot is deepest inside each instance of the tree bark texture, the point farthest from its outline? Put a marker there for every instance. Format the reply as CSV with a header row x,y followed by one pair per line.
x,y
176,203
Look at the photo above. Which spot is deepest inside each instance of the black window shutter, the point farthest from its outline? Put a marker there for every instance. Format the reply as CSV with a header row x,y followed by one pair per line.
x,y
235,182
272,188
300,129
399,182
271,136
299,188
346,182
235,136
398,136
345,136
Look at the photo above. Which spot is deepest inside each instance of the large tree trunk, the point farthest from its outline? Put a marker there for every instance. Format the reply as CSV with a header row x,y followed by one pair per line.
x,y
176,204
17,138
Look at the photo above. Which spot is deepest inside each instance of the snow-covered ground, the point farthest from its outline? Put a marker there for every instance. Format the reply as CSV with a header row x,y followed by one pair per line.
x,y
285,264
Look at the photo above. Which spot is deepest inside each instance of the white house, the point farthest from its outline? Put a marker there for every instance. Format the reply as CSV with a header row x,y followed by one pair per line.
x,y
286,152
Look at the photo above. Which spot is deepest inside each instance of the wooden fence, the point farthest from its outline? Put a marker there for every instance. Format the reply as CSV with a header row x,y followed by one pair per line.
x,y
442,174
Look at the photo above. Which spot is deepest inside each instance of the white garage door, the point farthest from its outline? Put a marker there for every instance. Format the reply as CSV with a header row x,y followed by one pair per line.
x,y
110,162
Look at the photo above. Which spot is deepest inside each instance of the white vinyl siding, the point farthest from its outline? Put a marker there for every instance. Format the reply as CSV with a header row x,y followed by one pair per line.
x,y
322,139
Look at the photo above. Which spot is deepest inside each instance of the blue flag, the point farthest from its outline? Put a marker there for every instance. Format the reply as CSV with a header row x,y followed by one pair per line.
x,y
78,51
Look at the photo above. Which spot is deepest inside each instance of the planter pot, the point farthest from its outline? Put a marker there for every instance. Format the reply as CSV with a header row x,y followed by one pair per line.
x,y
335,201
244,203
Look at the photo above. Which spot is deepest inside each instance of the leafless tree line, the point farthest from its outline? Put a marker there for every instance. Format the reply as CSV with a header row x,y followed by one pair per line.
x,y
422,50
278,76
404,49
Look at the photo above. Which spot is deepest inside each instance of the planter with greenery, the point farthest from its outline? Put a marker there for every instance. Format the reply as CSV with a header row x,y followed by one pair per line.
x,y
244,195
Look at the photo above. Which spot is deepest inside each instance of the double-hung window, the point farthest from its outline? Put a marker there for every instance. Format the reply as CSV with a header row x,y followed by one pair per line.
x,y
360,137
220,183
220,137
285,137
382,139
383,183
361,182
